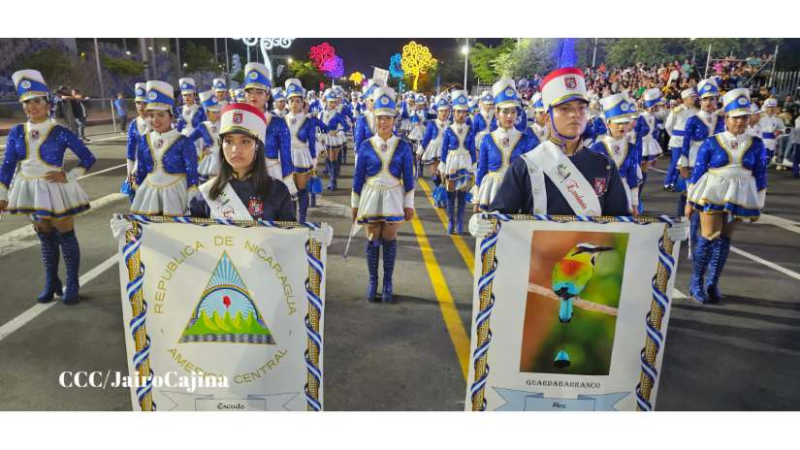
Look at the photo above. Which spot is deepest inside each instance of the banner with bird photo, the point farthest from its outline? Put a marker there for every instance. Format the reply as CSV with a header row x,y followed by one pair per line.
x,y
570,314
222,316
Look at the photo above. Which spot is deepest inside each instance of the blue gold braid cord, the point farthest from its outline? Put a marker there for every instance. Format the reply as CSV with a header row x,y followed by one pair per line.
x,y
141,357
313,286
655,338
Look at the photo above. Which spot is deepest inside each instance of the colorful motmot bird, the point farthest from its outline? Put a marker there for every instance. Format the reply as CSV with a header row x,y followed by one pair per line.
x,y
570,276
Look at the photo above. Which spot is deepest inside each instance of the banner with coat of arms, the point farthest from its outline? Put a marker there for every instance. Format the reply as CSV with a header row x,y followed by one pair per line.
x,y
238,304
570,313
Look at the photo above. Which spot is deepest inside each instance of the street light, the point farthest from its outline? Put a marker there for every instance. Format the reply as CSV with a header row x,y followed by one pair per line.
x,y
465,52
163,49
290,60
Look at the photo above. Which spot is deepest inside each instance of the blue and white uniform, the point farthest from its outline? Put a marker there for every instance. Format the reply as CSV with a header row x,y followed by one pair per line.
x,y
209,133
730,177
34,150
166,172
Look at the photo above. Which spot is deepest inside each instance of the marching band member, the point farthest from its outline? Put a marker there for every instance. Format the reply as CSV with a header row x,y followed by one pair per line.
x,y
458,160
355,105
406,110
383,191
431,148
419,121
755,117
554,177
243,190
208,131
221,91
616,146
279,102
239,96
34,161
166,172
334,138
500,148
278,143
539,125
314,105
728,184
596,128
365,126
771,127
484,118
647,134
138,128
190,115
701,126
675,126
302,129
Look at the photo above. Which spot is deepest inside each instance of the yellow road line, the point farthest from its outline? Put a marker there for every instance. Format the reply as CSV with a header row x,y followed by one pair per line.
x,y
455,327
461,246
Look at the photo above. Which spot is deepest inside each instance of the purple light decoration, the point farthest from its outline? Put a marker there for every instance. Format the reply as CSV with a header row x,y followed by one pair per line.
x,y
334,67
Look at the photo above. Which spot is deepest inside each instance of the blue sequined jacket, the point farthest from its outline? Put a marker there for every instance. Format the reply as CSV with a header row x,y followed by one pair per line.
x,y
52,151
491,158
179,158
369,164
712,155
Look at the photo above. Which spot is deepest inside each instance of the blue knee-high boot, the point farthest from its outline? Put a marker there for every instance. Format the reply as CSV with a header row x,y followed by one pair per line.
x,y
373,255
641,189
702,256
722,248
337,167
302,204
343,155
50,257
72,259
451,206
462,205
389,256
331,173
694,228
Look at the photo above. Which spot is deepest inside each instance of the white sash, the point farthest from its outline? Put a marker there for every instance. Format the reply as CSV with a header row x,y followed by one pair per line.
x,y
228,206
548,159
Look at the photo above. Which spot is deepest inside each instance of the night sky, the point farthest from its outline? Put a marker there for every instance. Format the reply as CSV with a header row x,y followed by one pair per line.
x,y
359,54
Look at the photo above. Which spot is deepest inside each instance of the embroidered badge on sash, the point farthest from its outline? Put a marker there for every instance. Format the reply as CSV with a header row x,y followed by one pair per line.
x,y
255,207
563,172
599,185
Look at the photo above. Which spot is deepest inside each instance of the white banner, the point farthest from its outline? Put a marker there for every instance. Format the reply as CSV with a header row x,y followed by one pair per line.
x,y
219,314
561,314
380,74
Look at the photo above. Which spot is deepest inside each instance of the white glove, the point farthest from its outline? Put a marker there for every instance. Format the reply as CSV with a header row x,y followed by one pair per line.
x,y
679,231
75,173
119,227
323,235
480,227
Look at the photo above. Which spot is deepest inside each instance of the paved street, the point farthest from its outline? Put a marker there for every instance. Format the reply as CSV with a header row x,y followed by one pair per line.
x,y
743,354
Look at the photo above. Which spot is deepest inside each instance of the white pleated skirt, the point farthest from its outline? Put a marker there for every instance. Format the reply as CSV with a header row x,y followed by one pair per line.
x,y
488,188
44,199
161,194
381,204
730,190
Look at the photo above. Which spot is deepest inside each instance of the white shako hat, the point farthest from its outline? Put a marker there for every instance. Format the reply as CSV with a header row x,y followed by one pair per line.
x,y
244,118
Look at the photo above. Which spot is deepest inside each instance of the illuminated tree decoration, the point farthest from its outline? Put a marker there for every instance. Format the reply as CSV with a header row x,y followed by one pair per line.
x,y
416,60
321,54
396,66
356,78
334,67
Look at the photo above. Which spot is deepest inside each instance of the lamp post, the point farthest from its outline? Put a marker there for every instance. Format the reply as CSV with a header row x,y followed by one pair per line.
x,y
465,52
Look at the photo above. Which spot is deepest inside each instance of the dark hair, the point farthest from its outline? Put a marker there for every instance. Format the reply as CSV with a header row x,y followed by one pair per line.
x,y
260,179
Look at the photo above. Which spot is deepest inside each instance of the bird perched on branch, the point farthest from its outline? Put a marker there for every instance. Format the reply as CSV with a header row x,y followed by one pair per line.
x,y
570,276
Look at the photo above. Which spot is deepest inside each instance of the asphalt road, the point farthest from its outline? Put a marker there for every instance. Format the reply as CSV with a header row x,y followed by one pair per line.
x,y
742,354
